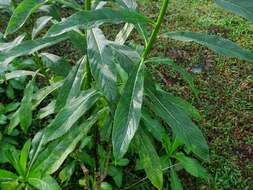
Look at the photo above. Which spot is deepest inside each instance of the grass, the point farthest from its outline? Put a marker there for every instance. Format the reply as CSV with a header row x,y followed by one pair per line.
x,y
225,88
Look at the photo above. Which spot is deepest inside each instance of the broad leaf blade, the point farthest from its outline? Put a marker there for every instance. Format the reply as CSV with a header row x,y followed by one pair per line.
x,y
150,159
9,45
175,182
6,176
27,47
243,8
56,64
57,151
92,19
102,64
181,124
128,112
24,154
192,166
21,13
45,183
218,44
25,110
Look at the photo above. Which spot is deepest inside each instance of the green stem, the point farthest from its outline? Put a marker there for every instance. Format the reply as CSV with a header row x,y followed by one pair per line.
x,y
87,5
156,29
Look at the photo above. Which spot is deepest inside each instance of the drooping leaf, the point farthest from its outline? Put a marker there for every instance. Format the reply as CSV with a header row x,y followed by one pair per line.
x,y
192,166
67,117
72,84
25,110
182,126
56,64
6,176
92,19
26,48
24,154
175,182
177,68
40,24
128,112
102,64
45,183
9,45
243,8
150,159
21,14
218,44
49,160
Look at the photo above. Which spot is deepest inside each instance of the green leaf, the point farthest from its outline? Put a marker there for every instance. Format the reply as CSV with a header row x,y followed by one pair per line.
x,y
153,126
24,154
102,64
181,124
18,73
25,110
45,183
67,117
116,174
177,68
243,8
13,158
56,64
92,19
46,111
40,24
6,176
78,40
150,159
21,14
218,44
72,85
184,105
175,182
42,93
192,166
27,47
57,151
128,112
66,173
9,45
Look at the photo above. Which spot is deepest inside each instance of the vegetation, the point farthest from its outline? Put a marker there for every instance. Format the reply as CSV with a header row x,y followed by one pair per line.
x,y
95,118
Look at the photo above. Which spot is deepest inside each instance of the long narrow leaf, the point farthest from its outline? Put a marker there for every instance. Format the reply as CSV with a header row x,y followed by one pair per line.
x,y
243,8
21,13
102,64
128,112
92,19
150,159
218,44
181,124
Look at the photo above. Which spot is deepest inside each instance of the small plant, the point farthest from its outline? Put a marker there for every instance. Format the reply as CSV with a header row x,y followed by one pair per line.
x,y
107,117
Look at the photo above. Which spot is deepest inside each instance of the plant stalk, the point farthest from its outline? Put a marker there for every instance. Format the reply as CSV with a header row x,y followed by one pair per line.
x,y
156,29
